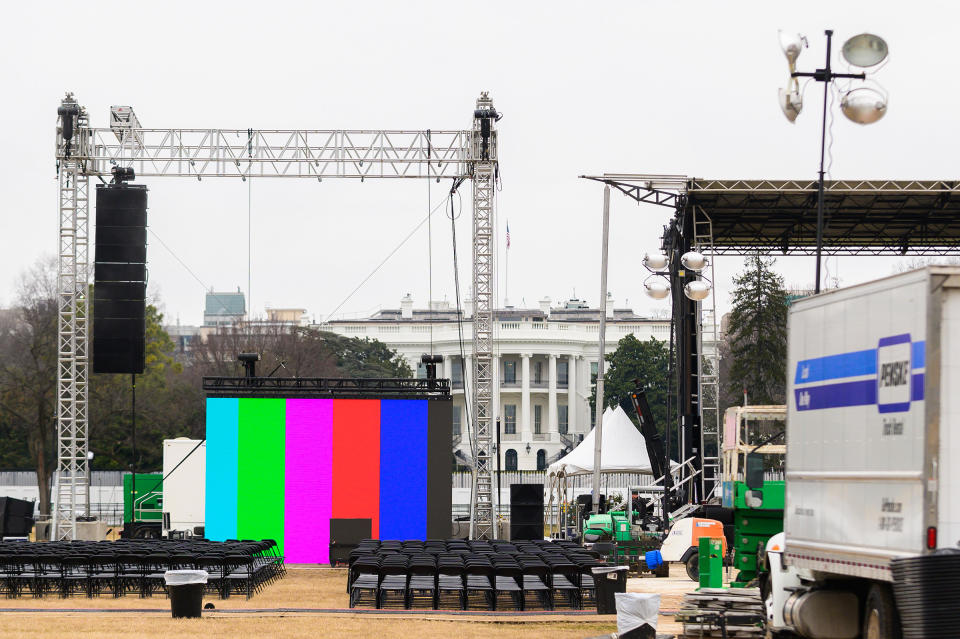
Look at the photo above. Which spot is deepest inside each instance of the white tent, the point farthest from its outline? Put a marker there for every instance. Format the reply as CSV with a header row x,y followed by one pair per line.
x,y
623,449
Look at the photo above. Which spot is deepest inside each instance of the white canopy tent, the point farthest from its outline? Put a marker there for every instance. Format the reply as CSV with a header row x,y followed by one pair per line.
x,y
623,450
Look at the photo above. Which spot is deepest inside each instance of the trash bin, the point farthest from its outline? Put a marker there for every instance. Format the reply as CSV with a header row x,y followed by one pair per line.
x,y
609,580
186,591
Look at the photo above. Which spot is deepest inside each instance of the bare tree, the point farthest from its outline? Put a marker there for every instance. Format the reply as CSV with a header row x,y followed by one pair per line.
x,y
28,368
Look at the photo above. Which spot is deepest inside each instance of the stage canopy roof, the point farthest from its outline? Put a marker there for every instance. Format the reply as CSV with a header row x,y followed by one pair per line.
x,y
867,217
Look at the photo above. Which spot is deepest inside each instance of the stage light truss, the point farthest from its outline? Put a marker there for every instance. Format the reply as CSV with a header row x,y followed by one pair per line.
x,y
83,152
259,153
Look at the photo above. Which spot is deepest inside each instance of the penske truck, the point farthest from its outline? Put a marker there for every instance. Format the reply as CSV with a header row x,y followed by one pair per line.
x,y
872,505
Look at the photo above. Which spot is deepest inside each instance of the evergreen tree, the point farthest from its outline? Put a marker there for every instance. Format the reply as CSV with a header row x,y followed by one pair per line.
x,y
647,362
757,334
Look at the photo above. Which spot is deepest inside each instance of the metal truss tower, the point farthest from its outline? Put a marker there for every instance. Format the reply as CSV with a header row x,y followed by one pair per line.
x,y
83,151
484,187
72,328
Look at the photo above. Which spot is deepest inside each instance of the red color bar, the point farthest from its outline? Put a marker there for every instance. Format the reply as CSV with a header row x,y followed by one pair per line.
x,y
356,461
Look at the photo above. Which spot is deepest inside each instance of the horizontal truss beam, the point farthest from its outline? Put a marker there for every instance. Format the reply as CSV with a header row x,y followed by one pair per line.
x,y
325,387
294,153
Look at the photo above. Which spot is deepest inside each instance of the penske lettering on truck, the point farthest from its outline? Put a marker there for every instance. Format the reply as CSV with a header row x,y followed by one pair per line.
x,y
889,376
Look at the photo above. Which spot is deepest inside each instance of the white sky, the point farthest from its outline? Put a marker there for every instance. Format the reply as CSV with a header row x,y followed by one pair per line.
x,y
642,87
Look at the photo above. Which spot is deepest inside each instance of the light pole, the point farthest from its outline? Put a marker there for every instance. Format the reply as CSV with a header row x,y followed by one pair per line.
x,y
861,105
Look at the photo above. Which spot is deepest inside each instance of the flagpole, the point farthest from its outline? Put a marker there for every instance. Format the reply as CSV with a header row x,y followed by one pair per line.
x,y
506,270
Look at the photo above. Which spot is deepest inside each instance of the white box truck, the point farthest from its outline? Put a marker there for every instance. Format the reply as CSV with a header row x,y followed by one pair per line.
x,y
184,486
873,454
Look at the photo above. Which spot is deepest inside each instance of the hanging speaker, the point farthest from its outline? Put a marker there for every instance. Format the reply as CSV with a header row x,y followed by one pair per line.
x,y
120,279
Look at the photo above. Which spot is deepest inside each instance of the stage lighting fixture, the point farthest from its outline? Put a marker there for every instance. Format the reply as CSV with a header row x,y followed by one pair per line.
x,y
697,290
865,50
658,290
864,105
791,44
655,262
693,261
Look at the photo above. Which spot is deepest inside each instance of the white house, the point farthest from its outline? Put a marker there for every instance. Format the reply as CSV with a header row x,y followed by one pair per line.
x,y
545,361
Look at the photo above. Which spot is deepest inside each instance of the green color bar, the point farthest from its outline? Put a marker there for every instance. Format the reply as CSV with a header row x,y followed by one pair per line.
x,y
260,469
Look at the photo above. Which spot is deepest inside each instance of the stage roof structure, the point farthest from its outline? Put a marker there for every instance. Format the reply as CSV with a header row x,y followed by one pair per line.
x,y
863,217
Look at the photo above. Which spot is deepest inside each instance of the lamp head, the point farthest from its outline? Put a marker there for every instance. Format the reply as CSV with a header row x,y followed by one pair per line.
x,y
864,105
655,262
657,289
865,50
791,103
693,261
697,290
791,44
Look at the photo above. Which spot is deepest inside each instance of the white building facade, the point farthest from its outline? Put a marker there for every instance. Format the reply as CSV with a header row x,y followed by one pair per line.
x,y
546,360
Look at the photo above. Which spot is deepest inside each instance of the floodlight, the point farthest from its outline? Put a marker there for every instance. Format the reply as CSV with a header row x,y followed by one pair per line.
x,y
864,105
697,290
865,50
657,289
792,44
693,261
655,262
791,103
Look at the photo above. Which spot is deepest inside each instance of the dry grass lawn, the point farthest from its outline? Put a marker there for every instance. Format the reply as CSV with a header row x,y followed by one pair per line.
x,y
304,587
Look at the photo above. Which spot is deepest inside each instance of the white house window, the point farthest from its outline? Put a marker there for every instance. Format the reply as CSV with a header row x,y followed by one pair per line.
x,y
562,419
537,419
510,459
510,419
456,421
509,372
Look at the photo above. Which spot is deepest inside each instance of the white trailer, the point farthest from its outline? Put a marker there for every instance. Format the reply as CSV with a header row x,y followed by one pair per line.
x,y
873,451
184,485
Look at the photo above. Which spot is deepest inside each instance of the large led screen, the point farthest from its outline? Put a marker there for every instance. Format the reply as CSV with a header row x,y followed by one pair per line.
x,y
284,469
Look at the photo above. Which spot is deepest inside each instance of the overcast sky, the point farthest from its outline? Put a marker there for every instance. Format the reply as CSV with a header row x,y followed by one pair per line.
x,y
643,87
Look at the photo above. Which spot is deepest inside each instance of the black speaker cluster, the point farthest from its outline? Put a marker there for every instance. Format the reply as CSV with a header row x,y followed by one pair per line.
x,y
526,511
16,517
120,279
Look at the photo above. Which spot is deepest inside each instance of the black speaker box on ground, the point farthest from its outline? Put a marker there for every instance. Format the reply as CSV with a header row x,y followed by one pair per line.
x,y
120,279
16,517
526,511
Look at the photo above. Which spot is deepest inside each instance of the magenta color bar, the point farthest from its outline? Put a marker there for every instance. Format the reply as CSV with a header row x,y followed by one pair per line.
x,y
309,473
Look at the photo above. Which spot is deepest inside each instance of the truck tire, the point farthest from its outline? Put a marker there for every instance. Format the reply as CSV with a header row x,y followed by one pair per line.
x,y
880,618
693,566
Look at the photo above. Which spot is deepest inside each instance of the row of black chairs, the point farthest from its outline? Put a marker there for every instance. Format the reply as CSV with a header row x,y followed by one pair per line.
x,y
471,575
124,567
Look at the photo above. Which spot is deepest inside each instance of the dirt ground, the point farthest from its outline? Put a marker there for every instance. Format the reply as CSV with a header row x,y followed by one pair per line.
x,y
310,602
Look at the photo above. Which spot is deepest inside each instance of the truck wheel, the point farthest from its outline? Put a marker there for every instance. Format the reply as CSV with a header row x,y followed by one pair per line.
x,y
880,618
693,566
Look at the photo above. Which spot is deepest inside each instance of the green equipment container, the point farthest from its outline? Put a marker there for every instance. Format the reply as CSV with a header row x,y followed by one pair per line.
x,y
711,562
147,504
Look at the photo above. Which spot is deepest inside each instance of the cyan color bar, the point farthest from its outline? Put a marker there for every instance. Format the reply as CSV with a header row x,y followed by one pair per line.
x,y
403,469
223,415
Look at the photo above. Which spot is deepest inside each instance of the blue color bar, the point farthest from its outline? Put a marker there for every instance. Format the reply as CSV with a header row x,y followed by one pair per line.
x,y
403,469
223,419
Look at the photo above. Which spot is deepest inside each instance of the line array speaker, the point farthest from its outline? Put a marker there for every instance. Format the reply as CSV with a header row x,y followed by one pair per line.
x,y
120,279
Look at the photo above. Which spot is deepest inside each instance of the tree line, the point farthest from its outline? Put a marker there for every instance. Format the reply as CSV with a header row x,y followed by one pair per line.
x,y
169,397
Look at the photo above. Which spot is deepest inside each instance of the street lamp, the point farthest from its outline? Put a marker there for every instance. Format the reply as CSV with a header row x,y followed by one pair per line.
x,y
862,105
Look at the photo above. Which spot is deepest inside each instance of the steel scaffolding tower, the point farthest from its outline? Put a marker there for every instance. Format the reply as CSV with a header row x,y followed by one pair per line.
x,y
83,151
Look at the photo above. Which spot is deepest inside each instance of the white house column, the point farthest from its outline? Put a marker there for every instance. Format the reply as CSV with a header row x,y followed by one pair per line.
x,y
552,395
525,421
571,394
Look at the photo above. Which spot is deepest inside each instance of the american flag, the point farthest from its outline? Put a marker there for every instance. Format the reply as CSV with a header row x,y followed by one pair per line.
x,y
508,234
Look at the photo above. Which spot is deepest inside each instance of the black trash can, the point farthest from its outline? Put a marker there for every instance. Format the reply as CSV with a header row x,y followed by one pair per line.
x,y
609,580
186,592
